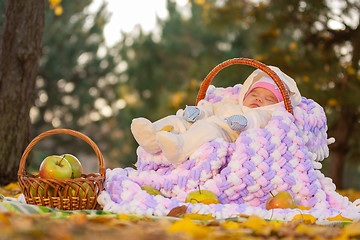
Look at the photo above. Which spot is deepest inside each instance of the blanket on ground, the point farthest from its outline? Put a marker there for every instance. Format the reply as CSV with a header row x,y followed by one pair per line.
x,y
286,155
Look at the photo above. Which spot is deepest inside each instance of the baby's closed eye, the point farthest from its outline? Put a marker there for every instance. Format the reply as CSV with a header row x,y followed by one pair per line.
x,y
270,99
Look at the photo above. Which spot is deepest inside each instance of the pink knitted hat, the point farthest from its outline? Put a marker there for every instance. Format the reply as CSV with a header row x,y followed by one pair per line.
x,y
267,83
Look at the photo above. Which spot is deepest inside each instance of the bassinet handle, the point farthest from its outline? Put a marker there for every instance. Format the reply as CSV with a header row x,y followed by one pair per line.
x,y
245,61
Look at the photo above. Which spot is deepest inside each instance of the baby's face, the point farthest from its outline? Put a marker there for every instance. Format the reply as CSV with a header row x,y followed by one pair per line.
x,y
260,97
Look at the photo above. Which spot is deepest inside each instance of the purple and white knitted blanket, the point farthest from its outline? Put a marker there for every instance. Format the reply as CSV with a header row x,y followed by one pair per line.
x,y
286,155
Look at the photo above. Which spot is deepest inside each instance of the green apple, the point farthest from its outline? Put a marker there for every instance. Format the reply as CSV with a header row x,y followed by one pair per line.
x,y
151,190
202,196
55,167
38,190
81,190
281,200
75,165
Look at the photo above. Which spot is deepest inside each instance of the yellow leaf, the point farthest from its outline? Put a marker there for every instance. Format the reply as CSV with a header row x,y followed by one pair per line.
x,y
196,216
308,218
78,218
254,222
167,128
207,201
276,223
339,218
12,186
123,217
230,225
352,229
4,219
186,225
309,229
301,207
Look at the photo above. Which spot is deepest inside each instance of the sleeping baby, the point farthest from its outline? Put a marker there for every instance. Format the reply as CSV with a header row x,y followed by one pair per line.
x,y
178,136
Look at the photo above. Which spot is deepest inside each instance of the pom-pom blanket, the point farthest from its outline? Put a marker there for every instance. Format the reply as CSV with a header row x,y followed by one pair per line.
x,y
286,155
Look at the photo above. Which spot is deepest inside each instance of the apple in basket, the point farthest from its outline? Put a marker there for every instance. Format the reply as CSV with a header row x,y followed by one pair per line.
x,y
74,189
64,166
202,196
76,166
38,190
281,200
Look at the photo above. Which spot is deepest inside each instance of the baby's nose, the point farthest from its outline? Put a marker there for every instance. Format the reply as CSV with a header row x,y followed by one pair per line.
x,y
259,99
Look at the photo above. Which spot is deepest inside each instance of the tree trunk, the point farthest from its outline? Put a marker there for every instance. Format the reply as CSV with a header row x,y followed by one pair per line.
x,y
20,49
339,150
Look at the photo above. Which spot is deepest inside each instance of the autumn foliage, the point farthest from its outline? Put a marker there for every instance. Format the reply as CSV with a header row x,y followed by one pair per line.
x,y
188,226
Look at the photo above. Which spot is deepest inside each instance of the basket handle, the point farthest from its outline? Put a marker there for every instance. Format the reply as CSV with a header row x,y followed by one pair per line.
x,y
245,61
61,131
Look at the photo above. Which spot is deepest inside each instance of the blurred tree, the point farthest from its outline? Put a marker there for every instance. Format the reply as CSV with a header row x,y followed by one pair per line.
x,y
20,48
76,80
164,72
163,69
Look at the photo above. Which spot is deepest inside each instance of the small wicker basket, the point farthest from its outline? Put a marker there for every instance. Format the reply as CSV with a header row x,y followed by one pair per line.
x,y
250,62
64,194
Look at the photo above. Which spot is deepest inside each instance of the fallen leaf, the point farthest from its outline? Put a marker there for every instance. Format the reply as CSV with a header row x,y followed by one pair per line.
x,y
308,218
188,226
12,187
123,217
177,211
339,218
196,216
352,229
313,230
230,225
255,223
4,219
301,207
78,218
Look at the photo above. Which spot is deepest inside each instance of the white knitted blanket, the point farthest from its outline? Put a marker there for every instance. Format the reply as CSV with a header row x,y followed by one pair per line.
x,y
284,156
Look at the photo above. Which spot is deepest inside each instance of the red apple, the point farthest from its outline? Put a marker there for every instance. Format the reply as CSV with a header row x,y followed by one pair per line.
x,y
202,196
281,200
55,167
75,165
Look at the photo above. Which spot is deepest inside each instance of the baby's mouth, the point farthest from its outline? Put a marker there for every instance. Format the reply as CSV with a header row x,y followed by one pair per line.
x,y
254,105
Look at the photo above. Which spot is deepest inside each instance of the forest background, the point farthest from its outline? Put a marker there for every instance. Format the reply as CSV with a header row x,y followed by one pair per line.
x,y
85,85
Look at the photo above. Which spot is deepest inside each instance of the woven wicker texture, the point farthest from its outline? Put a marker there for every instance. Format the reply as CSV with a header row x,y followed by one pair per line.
x,y
65,194
244,61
